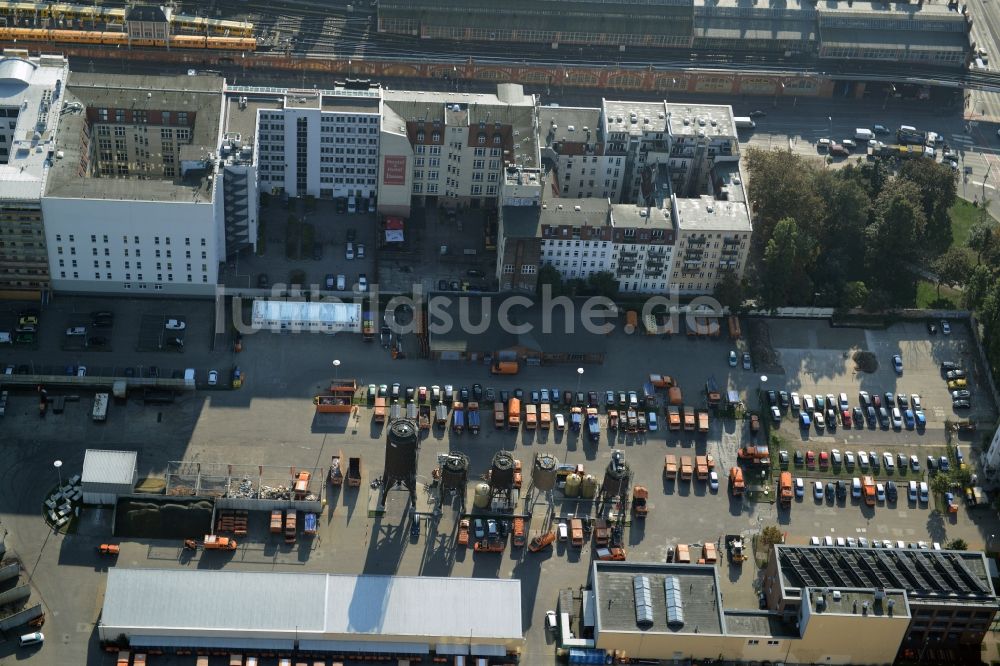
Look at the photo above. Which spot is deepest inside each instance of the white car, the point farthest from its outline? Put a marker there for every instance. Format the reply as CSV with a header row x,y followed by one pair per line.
x,y
807,400
880,492
835,455
897,418
560,421
550,620
81,371
175,325
887,460
800,488
862,460
76,330
843,402
733,360
213,377
945,326
818,490
849,459
713,480
796,401
33,638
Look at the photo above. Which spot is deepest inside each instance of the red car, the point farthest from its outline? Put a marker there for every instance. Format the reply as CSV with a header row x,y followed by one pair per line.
x,y
824,459
810,458
877,400
845,418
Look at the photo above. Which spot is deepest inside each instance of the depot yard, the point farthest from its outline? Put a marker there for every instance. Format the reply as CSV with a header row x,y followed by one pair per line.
x,y
272,422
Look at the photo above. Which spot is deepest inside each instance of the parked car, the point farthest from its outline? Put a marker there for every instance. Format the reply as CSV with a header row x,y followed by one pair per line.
x,y
746,360
732,359
897,363
945,327
175,325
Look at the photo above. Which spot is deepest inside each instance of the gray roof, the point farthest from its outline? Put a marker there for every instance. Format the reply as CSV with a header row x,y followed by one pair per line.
x,y
566,124
926,575
705,213
309,605
116,467
146,13
757,623
546,334
701,599
916,40
201,95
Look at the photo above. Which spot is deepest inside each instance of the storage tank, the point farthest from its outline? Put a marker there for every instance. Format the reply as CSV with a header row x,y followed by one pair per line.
x,y
572,488
482,497
454,472
543,472
401,450
502,471
588,487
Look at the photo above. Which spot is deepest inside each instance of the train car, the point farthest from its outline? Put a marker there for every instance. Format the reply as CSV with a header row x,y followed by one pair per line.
x,y
120,39
207,26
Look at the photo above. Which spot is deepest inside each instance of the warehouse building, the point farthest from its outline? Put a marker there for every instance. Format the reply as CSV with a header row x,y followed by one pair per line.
x,y
949,593
107,475
350,616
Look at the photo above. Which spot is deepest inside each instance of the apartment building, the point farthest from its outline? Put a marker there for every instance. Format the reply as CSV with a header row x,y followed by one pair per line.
x,y
320,143
32,96
132,201
573,141
580,237
461,143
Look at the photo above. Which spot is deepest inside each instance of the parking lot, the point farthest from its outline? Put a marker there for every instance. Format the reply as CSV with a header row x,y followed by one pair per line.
x,y
271,421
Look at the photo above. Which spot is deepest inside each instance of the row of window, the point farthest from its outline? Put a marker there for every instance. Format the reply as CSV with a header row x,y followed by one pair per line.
x,y
128,276
135,239
342,180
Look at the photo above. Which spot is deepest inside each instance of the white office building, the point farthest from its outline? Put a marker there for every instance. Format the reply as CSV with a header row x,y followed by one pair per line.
x,y
321,143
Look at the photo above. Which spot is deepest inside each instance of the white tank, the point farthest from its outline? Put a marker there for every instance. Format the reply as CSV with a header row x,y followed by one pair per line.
x,y
572,485
482,497
588,487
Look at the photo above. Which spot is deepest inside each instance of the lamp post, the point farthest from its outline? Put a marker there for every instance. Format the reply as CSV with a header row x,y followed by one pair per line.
x,y
829,119
336,368
760,396
579,378
58,465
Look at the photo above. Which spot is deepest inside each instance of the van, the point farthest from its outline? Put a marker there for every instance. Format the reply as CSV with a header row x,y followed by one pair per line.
x,y
504,368
912,491
352,204
924,492
863,134
349,253
189,375
849,144
34,638
341,283
823,144
563,531
856,488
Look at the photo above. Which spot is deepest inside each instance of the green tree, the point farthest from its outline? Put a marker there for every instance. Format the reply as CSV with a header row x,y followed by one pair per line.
x,y
730,292
781,186
981,237
855,294
549,275
893,246
603,283
784,279
938,191
769,536
941,483
952,268
956,544
981,278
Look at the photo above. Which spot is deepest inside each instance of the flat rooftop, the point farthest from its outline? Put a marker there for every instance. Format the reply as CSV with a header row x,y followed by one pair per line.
x,y
911,40
567,124
853,601
757,623
705,213
712,120
34,89
925,575
308,605
201,95
635,117
699,594
836,8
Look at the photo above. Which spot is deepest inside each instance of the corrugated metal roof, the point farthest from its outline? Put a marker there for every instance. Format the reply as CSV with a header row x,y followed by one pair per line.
x,y
109,467
312,605
141,640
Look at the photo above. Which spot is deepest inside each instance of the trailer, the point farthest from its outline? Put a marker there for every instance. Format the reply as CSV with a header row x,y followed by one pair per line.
x,y
463,532
670,466
576,418
734,548
689,420
674,418
702,415
602,532
336,470
545,416
631,421
473,418
441,415
100,411
291,525
499,417
612,419
686,468
424,417
368,326
712,393
380,405
661,381
734,328
701,467
309,524
354,472
530,416
640,501
458,418
674,396
517,533
514,414
277,521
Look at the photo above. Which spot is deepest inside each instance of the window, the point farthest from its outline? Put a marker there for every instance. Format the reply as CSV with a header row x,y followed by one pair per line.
x,y
528,269
508,269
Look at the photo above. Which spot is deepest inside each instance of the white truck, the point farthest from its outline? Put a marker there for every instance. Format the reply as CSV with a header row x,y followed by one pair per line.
x,y
744,122
863,134
100,411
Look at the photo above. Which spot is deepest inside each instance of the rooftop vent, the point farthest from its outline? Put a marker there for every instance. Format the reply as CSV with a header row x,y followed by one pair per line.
x,y
836,595
570,128
576,208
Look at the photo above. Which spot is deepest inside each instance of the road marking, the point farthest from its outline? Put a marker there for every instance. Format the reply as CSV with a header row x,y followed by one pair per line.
x,y
986,185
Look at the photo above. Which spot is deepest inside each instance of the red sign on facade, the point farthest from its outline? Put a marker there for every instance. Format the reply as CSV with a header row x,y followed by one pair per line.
x,y
394,170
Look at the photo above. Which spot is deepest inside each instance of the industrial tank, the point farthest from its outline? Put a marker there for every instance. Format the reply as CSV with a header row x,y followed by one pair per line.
x,y
502,470
543,472
616,476
401,450
454,471
572,488
482,498
588,487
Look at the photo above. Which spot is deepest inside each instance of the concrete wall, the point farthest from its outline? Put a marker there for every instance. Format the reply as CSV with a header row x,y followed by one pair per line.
x,y
394,197
268,505
181,227
23,617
